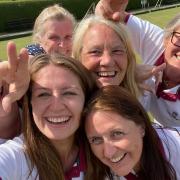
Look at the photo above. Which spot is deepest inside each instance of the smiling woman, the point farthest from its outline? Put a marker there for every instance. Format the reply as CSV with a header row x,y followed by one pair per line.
x,y
50,146
121,136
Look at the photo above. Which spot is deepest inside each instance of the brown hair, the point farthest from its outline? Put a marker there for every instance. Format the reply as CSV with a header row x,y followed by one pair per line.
x,y
153,164
41,152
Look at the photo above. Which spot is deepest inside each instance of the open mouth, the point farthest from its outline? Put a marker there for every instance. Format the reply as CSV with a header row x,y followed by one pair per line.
x,y
107,74
177,56
118,159
58,120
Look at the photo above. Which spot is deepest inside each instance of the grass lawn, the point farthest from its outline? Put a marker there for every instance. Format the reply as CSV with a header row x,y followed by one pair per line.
x,y
158,17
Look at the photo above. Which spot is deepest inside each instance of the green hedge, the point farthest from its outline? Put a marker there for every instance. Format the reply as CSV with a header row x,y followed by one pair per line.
x,y
17,10
12,10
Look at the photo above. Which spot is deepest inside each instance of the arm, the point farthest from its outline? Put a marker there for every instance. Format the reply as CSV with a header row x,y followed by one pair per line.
x,y
147,38
14,81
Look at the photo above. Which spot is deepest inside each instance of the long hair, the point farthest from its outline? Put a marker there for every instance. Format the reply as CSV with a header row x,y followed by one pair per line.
x,y
54,12
129,80
153,163
41,152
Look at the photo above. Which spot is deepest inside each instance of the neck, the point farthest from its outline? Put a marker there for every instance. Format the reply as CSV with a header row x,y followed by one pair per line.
x,y
68,151
171,77
168,83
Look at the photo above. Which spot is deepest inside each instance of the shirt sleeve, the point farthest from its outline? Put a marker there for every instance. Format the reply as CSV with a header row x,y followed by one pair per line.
x,y
171,143
146,38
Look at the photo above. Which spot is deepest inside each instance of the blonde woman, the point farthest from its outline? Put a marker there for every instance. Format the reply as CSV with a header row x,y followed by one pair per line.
x,y
52,31
104,48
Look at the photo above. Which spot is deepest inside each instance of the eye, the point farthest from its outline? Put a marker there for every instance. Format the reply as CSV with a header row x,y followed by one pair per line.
x,y
68,37
53,38
95,52
96,140
118,51
44,94
117,134
69,93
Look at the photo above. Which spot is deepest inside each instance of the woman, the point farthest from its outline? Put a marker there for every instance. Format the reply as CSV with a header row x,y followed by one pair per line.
x,y
121,136
155,46
53,31
50,146
104,48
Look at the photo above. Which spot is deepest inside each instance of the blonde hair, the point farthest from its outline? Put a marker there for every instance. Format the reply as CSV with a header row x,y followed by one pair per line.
x,y
54,12
129,81
172,26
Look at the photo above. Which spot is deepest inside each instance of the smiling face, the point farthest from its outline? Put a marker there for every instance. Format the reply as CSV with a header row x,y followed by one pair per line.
x,y
57,36
116,141
172,58
104,54
56,105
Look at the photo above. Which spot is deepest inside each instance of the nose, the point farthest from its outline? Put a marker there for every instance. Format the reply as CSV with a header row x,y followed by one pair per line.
x,y
61,43
109,149
57,103
106,59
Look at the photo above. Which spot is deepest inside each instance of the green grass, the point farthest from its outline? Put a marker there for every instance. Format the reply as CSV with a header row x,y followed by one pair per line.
x,y
20,42
158,17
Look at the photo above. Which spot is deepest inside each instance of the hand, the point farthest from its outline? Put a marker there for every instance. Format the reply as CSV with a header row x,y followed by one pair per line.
x,y
14,78
144,72
112,9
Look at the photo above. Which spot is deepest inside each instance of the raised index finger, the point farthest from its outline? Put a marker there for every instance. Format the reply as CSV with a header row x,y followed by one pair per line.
x,y
12,58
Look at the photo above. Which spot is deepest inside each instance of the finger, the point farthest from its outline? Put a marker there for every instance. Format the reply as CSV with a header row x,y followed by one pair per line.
x,y
23,61
116,16
158,69
6,104
3,69
12,58
146,87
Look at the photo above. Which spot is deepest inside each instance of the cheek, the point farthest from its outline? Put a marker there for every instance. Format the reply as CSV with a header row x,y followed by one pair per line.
x,y
97,151
90,63
122,62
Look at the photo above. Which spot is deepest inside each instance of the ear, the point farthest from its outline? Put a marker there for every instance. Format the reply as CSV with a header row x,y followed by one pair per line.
x,y
142,131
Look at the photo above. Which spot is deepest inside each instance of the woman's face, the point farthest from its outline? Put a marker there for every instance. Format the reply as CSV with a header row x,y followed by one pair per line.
x,y
104,54
115,140
172,56
57,102
57,36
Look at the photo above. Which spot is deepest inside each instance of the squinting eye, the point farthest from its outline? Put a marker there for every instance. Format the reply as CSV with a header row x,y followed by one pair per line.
x,y
96,140
70,93
118,51
68,37
117,134
43,95
95,52
54,38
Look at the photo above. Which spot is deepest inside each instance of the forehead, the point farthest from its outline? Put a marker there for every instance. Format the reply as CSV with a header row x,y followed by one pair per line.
x,y
101,34
57,26
102,121
54,74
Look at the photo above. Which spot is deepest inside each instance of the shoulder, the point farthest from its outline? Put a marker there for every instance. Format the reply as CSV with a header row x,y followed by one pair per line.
x,y
170,139
12,158
35,49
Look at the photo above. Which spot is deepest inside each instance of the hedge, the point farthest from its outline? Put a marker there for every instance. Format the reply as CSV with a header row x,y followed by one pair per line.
x,y
21,10
25,11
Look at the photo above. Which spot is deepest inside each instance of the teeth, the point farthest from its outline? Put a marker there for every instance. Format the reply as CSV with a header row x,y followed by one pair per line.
x,y
106,74
117,159
178,57
58,120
